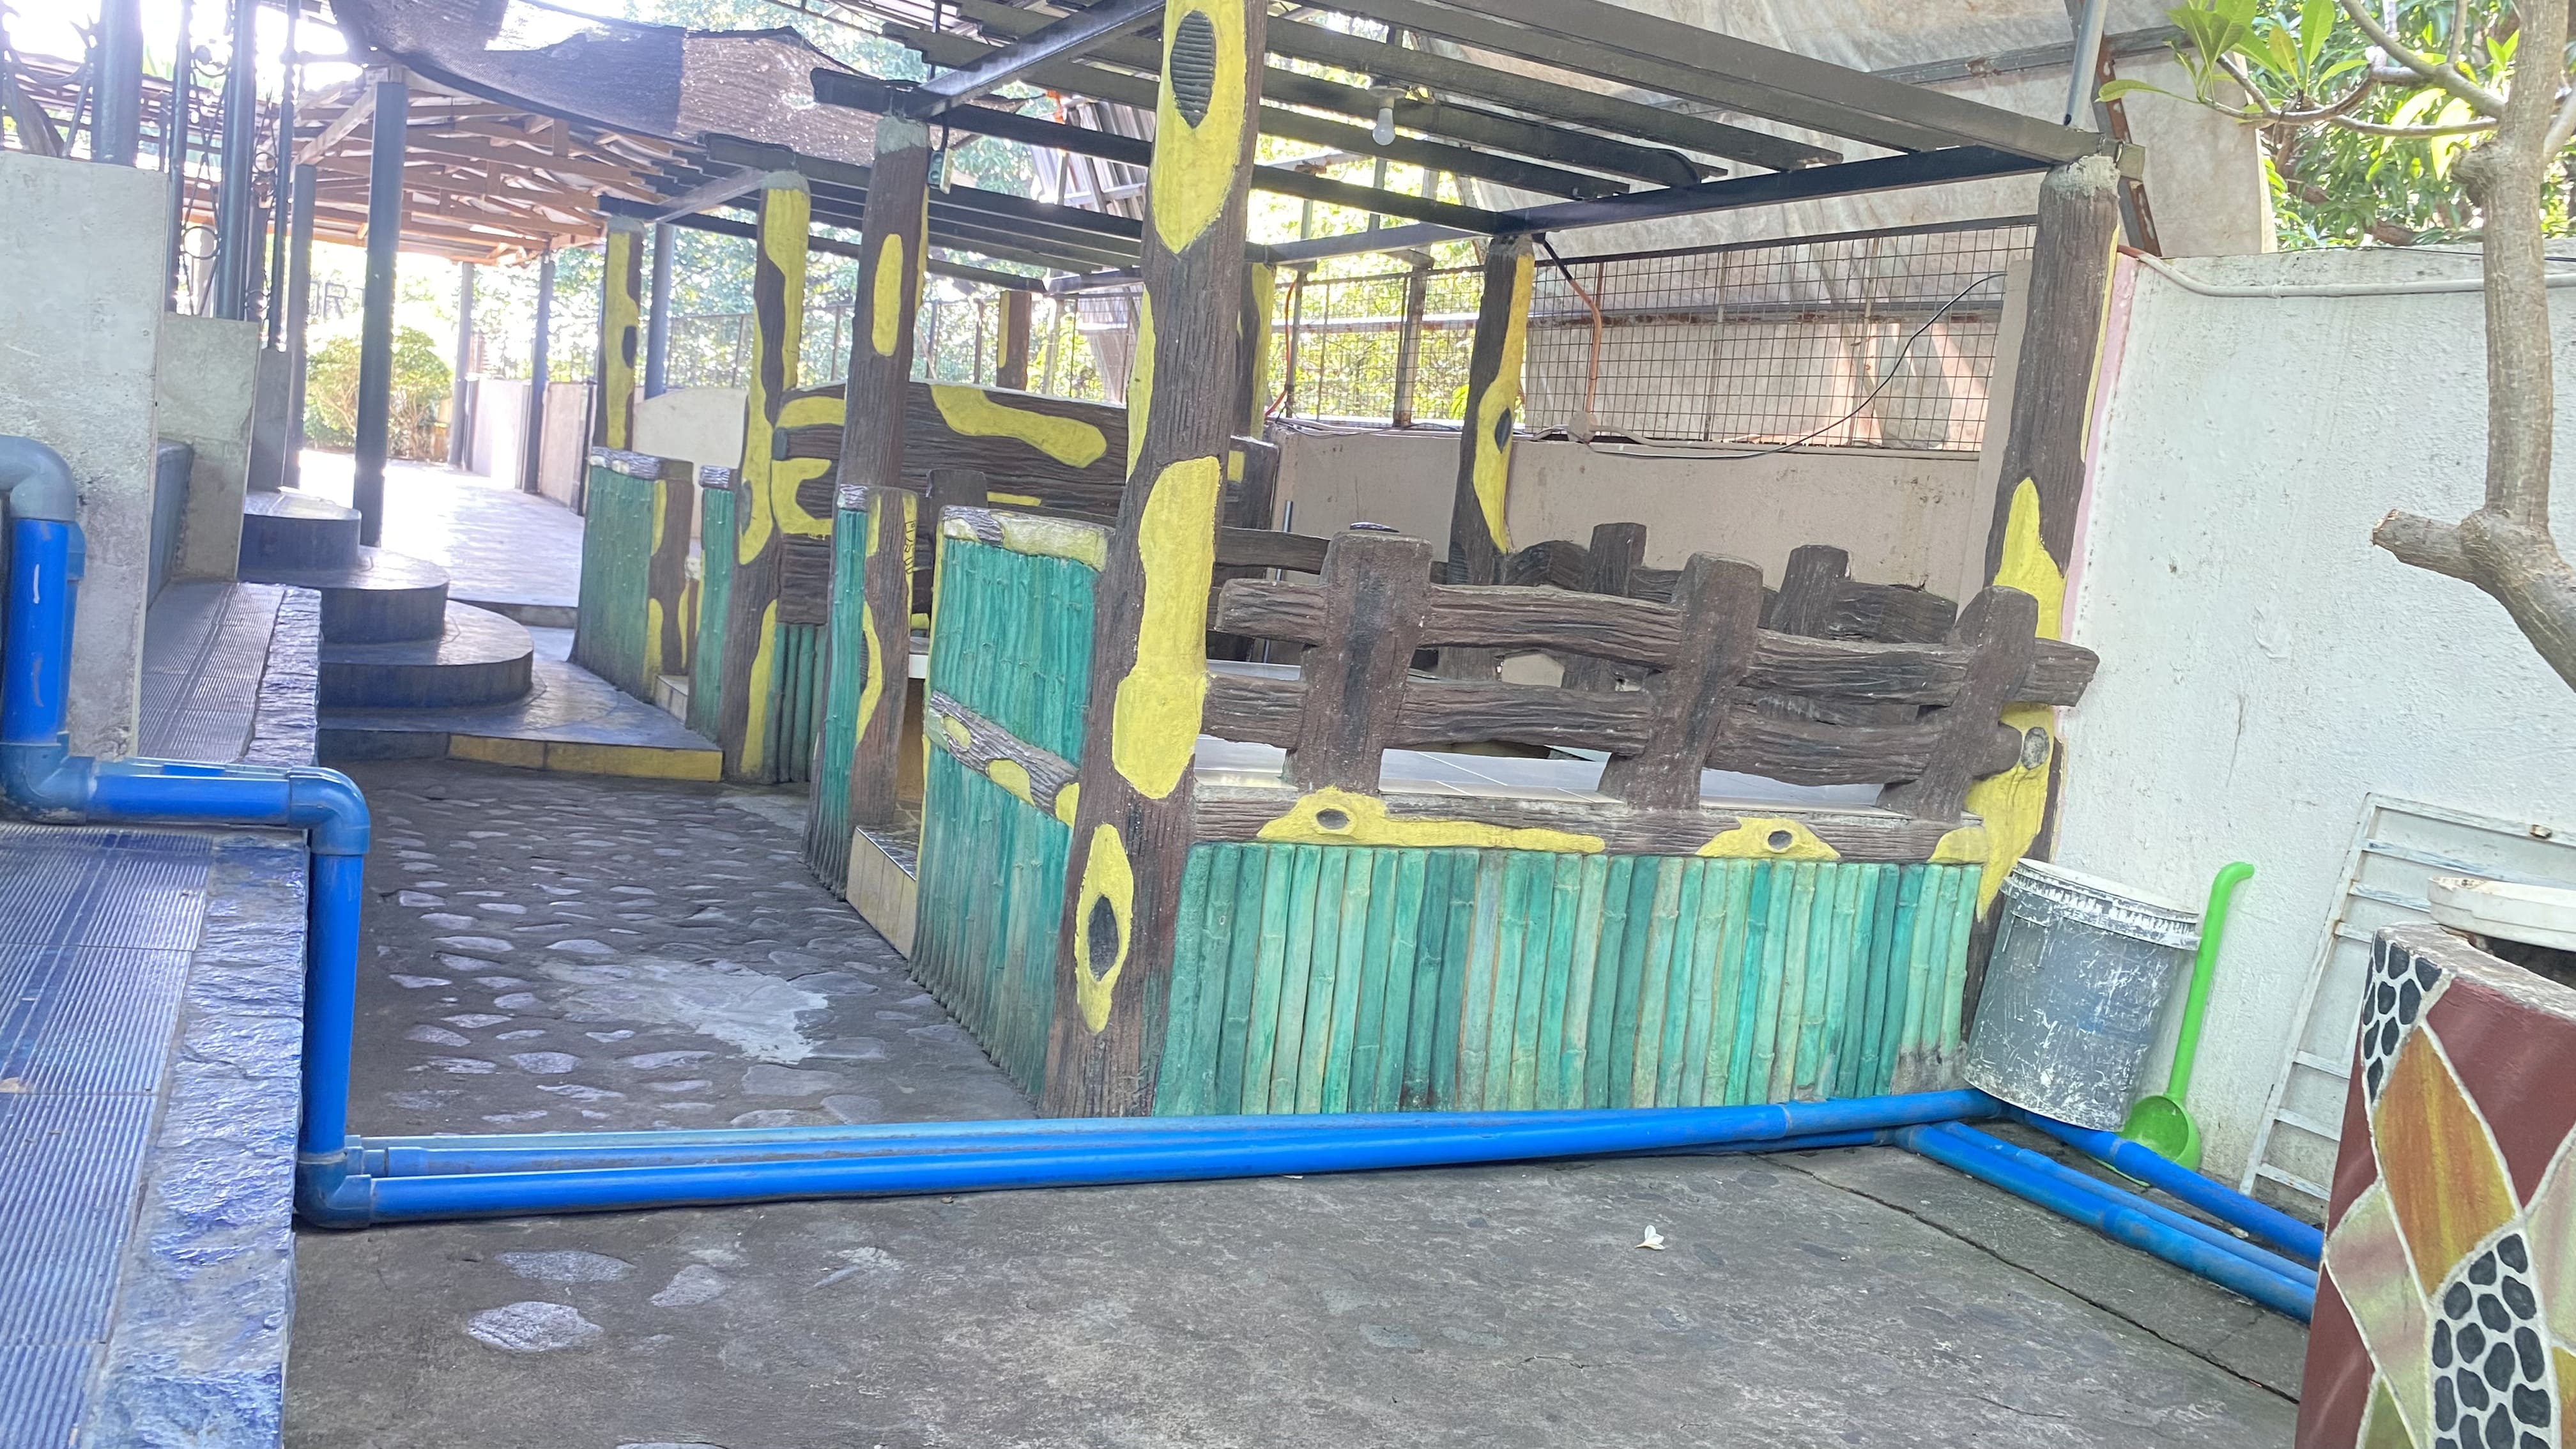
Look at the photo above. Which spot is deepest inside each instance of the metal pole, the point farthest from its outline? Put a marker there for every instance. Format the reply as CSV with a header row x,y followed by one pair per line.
x,y
657,326
533,454
2087,62
299,308
278,182
376,326
235,207
459,428
174,154
117,136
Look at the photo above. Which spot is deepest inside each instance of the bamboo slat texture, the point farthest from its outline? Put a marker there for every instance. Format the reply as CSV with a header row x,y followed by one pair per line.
x,y
616,561
827,825
715,591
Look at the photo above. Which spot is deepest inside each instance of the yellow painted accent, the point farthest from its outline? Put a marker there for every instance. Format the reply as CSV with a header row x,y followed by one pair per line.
x,y
486,749
1106,875
971,412
872,676
654,663
764,670
1065,538
920,621
1154,721
1963,846
634,761
1067,801
620,309
1194,166
1140,379
2014,803
1751,840
786,213
1013,776
957,732
1264,282
1492,472
1365,822
885,300
1234,465
1021,500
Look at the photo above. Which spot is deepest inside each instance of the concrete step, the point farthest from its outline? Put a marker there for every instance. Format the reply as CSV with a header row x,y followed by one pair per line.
x,y
284,529
383,598
478,658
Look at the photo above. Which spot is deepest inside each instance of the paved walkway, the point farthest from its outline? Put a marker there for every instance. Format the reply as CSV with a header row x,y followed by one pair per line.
x,y
498,545
568,952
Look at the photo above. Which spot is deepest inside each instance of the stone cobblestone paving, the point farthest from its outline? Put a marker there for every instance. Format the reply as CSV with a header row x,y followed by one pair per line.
x,y
576,952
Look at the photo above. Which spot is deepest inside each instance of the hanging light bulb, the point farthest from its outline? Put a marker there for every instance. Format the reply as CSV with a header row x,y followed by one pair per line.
x,y
1383,133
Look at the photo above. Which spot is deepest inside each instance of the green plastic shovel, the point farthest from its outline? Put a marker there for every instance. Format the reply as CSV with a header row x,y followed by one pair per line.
x,y
2159,1122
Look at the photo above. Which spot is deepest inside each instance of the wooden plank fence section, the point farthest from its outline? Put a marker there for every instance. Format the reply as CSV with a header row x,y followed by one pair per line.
x,y
1058,452
1315,979
634,554
827,822
719,496
1885,613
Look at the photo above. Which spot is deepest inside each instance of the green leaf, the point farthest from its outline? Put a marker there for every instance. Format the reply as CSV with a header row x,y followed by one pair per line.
x,y
2316,24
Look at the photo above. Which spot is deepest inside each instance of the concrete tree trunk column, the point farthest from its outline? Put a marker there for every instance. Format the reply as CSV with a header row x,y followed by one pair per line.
x,y
889,292
770,512
1478,537
299,312
532,453
376,308
621,282
1131,827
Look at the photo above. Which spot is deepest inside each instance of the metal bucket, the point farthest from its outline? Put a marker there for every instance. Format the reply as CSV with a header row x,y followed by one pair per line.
x,y
2077,978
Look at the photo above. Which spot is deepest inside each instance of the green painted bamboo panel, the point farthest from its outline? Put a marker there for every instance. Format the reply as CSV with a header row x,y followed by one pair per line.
x,y
796,701
1012,640
992,895
1344,979
715,591
827,824
616,564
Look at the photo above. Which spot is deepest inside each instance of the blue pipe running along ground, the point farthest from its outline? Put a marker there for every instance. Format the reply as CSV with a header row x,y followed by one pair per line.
x,y
348,1181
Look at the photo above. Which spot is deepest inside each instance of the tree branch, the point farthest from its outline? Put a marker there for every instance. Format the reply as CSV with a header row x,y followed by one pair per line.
x,y
2425,66
2424,543
2562,128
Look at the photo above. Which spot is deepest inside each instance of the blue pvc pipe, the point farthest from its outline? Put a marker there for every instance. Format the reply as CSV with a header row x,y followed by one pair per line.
x,y
2118,1221
2302,1241
2048,1167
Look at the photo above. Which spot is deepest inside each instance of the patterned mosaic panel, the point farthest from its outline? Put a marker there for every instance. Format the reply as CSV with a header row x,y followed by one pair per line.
x,y
2446,1314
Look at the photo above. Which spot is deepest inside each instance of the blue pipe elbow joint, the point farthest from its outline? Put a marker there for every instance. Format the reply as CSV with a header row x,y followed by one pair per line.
x,y
335,1190
46,781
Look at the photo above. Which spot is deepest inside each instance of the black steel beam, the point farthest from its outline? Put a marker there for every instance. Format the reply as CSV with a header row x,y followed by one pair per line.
x,y
1064,38
1096,225
727,226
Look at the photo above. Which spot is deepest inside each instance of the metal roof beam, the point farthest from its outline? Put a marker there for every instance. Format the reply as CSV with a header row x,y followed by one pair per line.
x,y
1061,39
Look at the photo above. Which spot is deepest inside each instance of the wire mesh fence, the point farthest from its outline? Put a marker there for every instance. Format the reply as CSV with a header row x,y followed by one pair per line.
x,y
1865,339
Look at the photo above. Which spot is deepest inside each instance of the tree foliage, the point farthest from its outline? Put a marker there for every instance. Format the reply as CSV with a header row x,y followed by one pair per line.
x,y
420,390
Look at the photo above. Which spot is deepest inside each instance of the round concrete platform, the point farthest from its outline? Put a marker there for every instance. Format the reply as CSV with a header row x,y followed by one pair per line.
x,y
479,657
384,598
284,529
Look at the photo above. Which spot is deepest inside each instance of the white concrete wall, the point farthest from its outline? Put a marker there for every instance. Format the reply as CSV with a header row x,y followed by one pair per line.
x,y
208,377
1905,518
2263,667
701,424
80,322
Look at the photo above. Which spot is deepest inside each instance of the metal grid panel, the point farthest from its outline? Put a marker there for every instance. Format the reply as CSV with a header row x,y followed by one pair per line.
x,y
1864,339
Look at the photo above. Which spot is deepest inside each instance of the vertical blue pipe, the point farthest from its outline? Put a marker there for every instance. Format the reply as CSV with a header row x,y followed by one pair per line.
x,y
44,566
330,1003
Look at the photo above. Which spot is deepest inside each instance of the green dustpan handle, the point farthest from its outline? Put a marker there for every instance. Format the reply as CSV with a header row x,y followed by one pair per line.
x,y
2204,968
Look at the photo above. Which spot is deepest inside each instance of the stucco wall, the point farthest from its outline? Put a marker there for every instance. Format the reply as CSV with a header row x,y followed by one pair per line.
x,y
1905,518
701,424
2264,667
80,321
208,376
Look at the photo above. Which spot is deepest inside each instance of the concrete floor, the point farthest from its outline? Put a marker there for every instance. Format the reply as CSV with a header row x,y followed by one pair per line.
x,y
555,951
498,545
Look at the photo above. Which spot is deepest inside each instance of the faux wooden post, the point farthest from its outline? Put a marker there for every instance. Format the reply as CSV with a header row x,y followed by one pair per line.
x,y
1997,631
1721,604
1408,339
1131,830
666,584
1256,498
1808,588
1376,587
1617,551
621,314
1252,360
769,513
1477,537
881,321
1011,369
885,623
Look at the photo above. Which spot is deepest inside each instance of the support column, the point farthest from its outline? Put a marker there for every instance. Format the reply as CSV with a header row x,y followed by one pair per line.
x,y
299,311
174,154
1408,339
376,321
532,453
1131,829
621,304
657,324
770,513
280,188
118,135
236,210
1011,369
1477,536
2041,485
460,427
880,378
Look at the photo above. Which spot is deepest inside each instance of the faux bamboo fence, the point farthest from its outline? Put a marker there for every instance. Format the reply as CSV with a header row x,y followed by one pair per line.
x,y
634,569
1340,948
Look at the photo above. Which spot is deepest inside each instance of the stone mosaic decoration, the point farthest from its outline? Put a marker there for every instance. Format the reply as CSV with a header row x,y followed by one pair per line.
x,y
2446,1314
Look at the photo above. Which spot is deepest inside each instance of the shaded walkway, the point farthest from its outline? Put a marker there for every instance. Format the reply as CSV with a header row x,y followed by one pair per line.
x,y
499,546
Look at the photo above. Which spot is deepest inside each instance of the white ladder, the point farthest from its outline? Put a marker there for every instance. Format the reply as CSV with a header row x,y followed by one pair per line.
x,y
2401,845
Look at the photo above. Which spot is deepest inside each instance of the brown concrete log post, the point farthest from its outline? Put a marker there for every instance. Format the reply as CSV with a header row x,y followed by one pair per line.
x,y
770,512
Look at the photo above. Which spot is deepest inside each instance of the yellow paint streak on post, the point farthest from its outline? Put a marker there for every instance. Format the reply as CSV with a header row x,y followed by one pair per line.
x,y
2014,803
764,670
1963,846
1140,379
972,412
785,478
617,335
1333,816
957,733
1768,837
1082,543
872,680
1013,776
1067,800
786,213
1194,166
1493,469
1018,500
1154,723
885,301
1107,876
653,639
